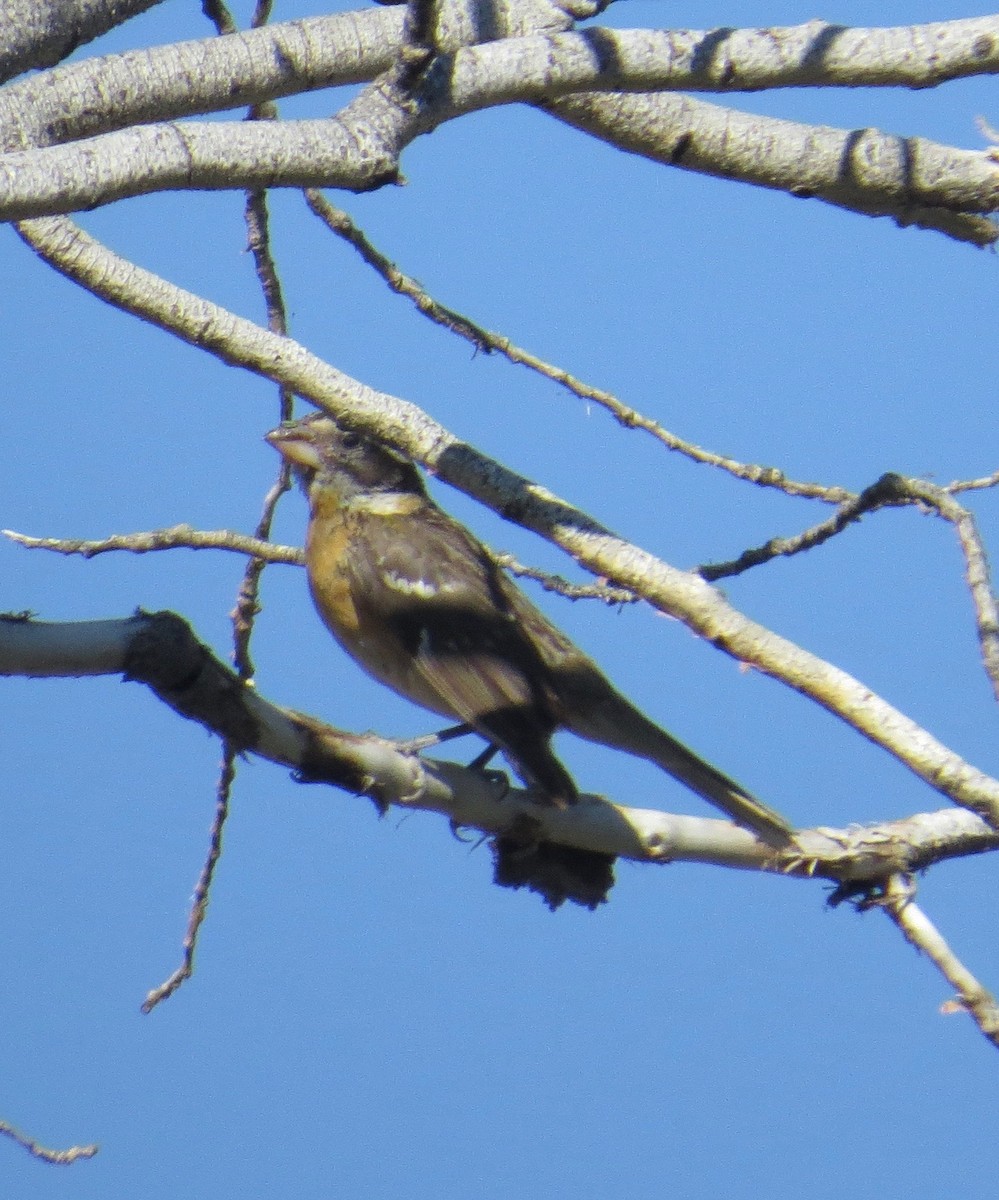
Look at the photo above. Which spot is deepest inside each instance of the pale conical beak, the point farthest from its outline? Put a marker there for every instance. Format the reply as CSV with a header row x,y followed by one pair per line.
x,y
295,444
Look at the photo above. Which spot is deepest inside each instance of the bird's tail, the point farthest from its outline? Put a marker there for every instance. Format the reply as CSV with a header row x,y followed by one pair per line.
x,y
612,721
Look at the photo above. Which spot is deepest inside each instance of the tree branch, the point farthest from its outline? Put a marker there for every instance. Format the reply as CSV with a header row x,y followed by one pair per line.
x,y
920,932
40,33
60,1157
915,181
531,41
159,650
912,180
177,536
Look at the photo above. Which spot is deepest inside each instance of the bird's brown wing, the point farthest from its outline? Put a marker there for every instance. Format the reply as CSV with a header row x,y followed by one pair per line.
x,y
446,604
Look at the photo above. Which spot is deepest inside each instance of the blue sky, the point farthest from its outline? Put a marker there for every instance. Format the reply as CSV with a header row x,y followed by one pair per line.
x,y
369,1017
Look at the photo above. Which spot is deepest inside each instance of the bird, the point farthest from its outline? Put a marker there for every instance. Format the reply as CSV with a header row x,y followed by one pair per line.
x,y
422,606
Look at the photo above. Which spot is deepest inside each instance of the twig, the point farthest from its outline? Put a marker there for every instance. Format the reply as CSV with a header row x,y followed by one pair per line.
x,y
893,490
199,902
219,15
487,342
247,596
976,565
61,1157
176,537
184,537
876,496
259,243
555,583
966,485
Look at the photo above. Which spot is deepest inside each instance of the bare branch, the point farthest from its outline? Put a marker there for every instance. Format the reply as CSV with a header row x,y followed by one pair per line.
x,y
168,82
885,491
60,1157
531,42
258,238
893,490
218,74
219,15
912,180
340,223
40,33
199,900
920,931
967,485
158,649
975,562
179,157
562,587
184,537
176,537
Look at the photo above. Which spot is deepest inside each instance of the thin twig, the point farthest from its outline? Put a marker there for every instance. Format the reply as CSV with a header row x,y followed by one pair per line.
x,y
967,485
340,223
555,583
61,1157
893,490
247,597
941,502
976,569
176,537
247,606
219,15
258,242
199,902
883,492
184,537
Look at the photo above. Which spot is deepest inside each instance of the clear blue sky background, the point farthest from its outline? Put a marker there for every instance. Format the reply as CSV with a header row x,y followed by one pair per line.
x,y
370,1018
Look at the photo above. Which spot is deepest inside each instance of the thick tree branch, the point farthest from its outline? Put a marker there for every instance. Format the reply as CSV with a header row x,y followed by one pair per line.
x,y
158,649
529,42
40,33
182,157
912,180
184,79
187,78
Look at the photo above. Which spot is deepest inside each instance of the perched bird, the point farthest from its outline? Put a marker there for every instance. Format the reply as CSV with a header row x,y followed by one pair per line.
x,y
419,603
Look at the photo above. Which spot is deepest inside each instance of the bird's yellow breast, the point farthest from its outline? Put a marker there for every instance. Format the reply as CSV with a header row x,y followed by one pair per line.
x,y
335,538
325,551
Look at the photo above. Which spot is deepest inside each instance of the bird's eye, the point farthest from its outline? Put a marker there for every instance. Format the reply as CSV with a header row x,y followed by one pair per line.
x,y
350,441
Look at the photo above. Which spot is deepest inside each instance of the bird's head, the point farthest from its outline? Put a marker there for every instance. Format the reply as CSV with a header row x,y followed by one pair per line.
x,y
326,456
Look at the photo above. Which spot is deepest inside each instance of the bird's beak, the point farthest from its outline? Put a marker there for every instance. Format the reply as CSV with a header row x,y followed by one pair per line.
x,y
295,443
